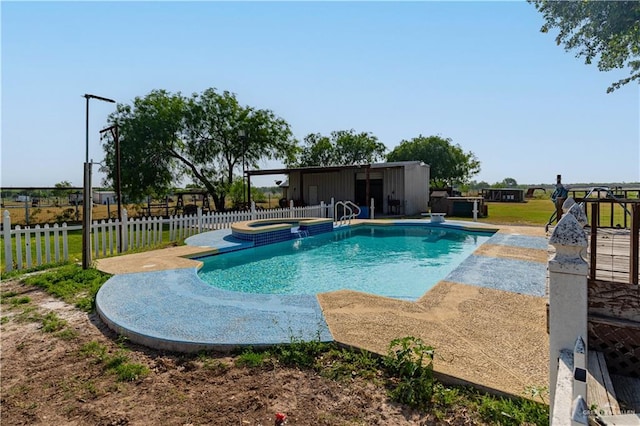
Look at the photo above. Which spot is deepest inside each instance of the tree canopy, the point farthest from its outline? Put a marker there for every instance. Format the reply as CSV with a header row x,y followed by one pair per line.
x,y
608,31
206,137
449,164
342,147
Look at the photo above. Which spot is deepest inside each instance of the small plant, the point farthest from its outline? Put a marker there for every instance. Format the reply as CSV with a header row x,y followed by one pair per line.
x,y
7,295
52,322
67,334
250,358
506,411
29,314
345,364
94,349
119,362
410,362
4,320
20,300
115,361
129,372
300,353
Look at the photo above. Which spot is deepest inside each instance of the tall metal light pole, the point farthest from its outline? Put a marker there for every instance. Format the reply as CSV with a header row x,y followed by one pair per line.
x,y
87,203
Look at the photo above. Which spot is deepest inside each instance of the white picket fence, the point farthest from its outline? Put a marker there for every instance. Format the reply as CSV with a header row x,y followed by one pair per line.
x,y
41,245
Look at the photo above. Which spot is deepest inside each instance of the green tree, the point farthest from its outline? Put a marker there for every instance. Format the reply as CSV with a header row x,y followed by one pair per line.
x,y
509,182
608,31
165,137
342,147
238,193
62,190
449,164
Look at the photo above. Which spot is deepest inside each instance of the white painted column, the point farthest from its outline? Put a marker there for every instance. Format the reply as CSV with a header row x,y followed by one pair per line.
x,y
567,295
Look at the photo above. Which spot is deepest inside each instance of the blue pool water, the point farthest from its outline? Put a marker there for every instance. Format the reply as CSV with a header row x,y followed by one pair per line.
x,y
394,261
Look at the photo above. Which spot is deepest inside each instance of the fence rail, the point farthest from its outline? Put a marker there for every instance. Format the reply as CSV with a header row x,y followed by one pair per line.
x,y
27,247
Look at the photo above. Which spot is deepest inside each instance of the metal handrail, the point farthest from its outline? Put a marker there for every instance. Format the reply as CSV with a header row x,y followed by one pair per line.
x,y
345,219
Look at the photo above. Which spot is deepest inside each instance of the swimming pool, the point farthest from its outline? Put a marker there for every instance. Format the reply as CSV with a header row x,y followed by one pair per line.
x,y
394,261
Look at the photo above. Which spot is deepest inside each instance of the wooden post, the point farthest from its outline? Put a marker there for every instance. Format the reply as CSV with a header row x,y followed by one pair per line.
x,y
6,228
595,218
634,249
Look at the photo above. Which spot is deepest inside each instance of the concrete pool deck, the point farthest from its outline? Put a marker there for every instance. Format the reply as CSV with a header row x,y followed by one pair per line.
x,y
493,339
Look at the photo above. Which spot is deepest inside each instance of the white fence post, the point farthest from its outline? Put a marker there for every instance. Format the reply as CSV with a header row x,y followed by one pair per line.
x,y
567,293
332,209
6,230
475,210
291,211
65,243
199,225
253,210
372,210
124,234
56,242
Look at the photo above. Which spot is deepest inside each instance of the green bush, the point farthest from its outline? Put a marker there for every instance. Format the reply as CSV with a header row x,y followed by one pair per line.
x,y
410,363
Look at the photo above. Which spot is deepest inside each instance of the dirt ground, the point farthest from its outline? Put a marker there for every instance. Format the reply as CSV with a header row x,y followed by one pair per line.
x,y
49,380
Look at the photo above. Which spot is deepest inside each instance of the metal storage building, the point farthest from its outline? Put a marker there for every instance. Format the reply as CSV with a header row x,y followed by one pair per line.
x,y
397,188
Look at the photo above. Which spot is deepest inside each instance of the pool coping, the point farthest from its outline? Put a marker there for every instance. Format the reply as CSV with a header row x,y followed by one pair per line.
x,y
139,276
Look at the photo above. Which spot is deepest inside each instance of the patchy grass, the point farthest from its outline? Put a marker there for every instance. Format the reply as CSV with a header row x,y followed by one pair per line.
x,y
407,372
72,284
117,363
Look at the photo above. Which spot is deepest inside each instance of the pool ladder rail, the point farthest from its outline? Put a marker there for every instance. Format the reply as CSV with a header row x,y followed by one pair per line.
x,y
350,211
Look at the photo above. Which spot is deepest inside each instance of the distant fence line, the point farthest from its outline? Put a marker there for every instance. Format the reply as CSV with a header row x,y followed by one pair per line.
x,y
27,247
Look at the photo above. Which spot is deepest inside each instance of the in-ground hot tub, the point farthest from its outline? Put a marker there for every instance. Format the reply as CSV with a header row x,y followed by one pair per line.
x,y
268,231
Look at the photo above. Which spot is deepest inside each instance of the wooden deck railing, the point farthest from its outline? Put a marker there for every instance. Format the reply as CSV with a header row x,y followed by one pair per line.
x,y
615,236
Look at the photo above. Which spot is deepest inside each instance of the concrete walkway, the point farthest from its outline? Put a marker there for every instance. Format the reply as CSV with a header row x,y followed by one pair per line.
x,y
482,334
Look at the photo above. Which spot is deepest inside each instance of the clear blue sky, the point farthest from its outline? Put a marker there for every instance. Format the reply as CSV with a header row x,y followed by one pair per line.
x,y
479,73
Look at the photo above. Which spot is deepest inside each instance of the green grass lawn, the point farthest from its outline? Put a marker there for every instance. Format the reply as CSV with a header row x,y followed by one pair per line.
x,y
533,212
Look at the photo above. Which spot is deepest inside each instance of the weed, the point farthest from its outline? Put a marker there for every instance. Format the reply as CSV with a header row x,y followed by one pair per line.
x,y
514,412
115,361
119,362
20,300
67,334
129,372
344,364
445,396
52,322
7,295
410,362
540,393
94,349
250,358
28,314
300,353
91,389
4,320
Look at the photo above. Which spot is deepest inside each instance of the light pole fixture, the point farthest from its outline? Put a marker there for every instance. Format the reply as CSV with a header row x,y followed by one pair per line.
x,y
86,198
